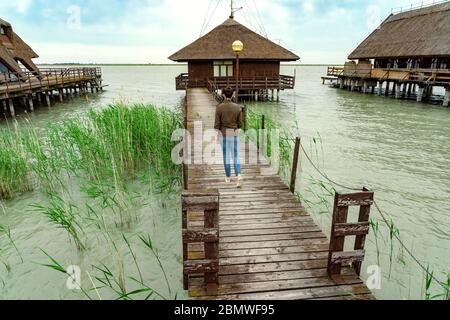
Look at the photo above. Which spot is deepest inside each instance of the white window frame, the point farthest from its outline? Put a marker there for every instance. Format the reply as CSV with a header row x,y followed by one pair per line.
x,y
223,68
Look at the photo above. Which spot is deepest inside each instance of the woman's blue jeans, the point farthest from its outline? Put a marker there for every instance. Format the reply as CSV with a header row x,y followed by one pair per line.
x,y
230,148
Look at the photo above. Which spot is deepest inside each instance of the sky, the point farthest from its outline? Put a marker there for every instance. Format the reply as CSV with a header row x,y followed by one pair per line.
x,y
148,31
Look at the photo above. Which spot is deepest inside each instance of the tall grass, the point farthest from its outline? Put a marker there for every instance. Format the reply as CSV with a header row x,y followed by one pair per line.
x,y
63,214
107,147
14,165
116,281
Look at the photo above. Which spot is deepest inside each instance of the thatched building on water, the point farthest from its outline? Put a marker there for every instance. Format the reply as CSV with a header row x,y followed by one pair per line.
x,y
13,52
407,55
213,64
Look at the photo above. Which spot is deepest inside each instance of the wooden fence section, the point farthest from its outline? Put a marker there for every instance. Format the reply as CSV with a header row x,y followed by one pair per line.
x,y
341,229
269,247
206,202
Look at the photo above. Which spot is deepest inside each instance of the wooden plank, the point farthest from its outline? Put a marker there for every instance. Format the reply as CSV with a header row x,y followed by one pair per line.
x,y
256,232
274,258
299,294
355,199
352,229
275,237
278,285
272,244
273,267
200,266
273,251
207,235
197,200
347,258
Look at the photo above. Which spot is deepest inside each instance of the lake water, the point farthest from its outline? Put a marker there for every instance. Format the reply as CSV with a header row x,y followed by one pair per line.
x,y
399,149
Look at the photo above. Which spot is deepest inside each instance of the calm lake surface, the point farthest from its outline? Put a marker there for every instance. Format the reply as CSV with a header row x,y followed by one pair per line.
x,y
399,149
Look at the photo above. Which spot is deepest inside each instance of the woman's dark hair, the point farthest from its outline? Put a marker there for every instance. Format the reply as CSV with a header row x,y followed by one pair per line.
x,y
228,92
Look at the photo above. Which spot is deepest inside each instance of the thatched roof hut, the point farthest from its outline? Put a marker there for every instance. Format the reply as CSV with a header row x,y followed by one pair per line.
x,y
211,58
13,50
216,45
417,33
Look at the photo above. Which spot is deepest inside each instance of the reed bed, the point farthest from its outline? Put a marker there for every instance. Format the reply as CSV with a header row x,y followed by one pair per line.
x,y
107,147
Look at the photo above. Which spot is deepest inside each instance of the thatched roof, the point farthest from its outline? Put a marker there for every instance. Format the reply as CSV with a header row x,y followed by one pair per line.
x,y
216,45
418,33
13,48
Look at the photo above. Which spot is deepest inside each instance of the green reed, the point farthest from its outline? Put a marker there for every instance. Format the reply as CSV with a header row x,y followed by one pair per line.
x,y
115,281
64,215
108,147
14,166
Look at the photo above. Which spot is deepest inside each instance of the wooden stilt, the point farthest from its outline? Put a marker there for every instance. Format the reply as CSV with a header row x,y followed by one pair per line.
x,y
380,87
388,86
398,90
11,108
420,93
30,103
47,99
61,95
446,97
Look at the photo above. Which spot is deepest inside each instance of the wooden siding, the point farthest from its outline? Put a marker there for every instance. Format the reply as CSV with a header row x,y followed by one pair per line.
x,y
199,72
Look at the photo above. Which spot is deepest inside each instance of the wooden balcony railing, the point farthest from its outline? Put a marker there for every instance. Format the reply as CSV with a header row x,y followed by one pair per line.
x,y
281,82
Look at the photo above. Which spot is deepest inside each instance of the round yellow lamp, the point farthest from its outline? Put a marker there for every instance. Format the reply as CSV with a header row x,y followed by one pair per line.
x,y
238,46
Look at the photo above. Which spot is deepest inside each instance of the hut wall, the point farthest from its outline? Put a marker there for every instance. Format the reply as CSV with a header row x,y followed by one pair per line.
x,y
200,71
259,68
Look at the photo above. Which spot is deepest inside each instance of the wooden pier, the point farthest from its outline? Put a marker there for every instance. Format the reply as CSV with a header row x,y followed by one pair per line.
x,y
413,84
28,88
259,242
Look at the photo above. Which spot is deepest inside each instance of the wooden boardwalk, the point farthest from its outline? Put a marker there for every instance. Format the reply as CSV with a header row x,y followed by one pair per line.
x,y
269,247
52,82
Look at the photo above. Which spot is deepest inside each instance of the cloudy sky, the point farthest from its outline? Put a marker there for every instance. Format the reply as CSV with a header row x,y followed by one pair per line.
x,y
148,31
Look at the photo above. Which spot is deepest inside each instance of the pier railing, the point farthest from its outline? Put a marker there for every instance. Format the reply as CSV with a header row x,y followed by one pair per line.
x,y
281,82
428,76
205,203
335,71
11,82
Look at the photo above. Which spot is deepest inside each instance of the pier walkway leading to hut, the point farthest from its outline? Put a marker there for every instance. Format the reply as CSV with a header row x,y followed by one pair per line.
x,y
266,244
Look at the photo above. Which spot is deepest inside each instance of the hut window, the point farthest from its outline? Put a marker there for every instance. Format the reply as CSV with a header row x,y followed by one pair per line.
x,y
2,31
223,68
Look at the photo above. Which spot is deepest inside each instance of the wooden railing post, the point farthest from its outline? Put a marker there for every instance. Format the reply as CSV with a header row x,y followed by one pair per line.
x,y
340,229
262,137
206,201
295,164
186,153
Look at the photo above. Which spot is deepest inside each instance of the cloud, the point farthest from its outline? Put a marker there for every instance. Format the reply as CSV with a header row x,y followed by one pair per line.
x,y
142,31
